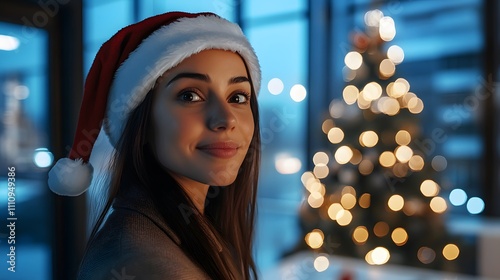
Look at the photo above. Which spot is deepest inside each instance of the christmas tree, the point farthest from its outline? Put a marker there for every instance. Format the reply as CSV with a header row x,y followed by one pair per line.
x,y
375,192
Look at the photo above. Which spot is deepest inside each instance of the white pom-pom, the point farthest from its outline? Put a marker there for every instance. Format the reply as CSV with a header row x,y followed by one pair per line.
x,y
70,177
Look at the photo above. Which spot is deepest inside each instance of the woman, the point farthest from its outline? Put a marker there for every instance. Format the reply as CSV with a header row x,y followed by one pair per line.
x,y
177,96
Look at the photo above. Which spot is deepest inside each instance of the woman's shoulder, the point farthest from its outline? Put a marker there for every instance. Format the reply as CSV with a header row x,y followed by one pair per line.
x,y
133,242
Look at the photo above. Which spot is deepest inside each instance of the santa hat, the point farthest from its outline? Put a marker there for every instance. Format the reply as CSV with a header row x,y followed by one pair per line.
x,y
126,68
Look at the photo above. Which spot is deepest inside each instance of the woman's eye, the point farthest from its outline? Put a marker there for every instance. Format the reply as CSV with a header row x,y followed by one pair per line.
x,y
240,98
189,96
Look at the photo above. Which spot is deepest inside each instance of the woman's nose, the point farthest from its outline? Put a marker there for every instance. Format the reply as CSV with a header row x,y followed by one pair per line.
x,y
220,116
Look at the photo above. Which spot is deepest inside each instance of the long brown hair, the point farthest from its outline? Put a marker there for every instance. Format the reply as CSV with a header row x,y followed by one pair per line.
x,y
229,212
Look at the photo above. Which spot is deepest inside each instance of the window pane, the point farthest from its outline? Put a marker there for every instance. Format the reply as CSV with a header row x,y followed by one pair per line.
x,y
25,206
443,44
282,51
224,8
262,8
101,20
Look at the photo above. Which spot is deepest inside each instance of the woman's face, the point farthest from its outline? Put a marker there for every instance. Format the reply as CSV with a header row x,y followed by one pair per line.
x,y
202,120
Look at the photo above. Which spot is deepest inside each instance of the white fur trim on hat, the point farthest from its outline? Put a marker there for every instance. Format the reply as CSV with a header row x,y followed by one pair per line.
x,y
163,50
70,177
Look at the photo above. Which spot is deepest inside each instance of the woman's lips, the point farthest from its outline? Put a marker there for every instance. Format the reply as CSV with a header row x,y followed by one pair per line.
x,y
220,149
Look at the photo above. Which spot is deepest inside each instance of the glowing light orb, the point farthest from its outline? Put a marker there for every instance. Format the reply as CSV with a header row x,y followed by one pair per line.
x,y
353,60
321,263
396,54
275,86
451,252
43,158
458,197
298,93
343,154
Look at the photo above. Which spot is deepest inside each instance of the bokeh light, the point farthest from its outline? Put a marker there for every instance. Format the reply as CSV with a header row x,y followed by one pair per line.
x,y
348,190
475,205
327,125
365,167
429,188
403,153
357,157
360,235
400,87
364,200
335,135
372,17
439,163
426,255
8,43
315,186
438,204
348,201
458,197
321,171
363,102
320,158
336,108
344,217
275,86
378,256
368,138
387,28
353,60
42,157
315,199
416,163
285,164
403,138
387,159
381,229
396,54
387,68
415,105
321,263
372,91
400,169
451,252
350,94
343,154
20,92
406,98
315,238
396,202
412,207
334,210
399,236
298,93
388,106
306,177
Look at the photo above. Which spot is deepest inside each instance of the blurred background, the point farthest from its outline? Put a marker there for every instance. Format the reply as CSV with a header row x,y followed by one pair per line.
x,y
379,127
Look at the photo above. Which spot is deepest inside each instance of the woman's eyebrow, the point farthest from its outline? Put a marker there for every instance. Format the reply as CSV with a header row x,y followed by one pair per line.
x,y
206,78
189,75
238,79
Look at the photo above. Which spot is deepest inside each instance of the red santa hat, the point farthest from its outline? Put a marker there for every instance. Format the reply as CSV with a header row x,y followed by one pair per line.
x,y
126,68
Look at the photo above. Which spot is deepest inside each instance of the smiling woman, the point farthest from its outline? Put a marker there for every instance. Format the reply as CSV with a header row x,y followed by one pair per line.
x,y
202,123
177,96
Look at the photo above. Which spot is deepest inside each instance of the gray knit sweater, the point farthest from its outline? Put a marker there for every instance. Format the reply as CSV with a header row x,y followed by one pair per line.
x,y
135,243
